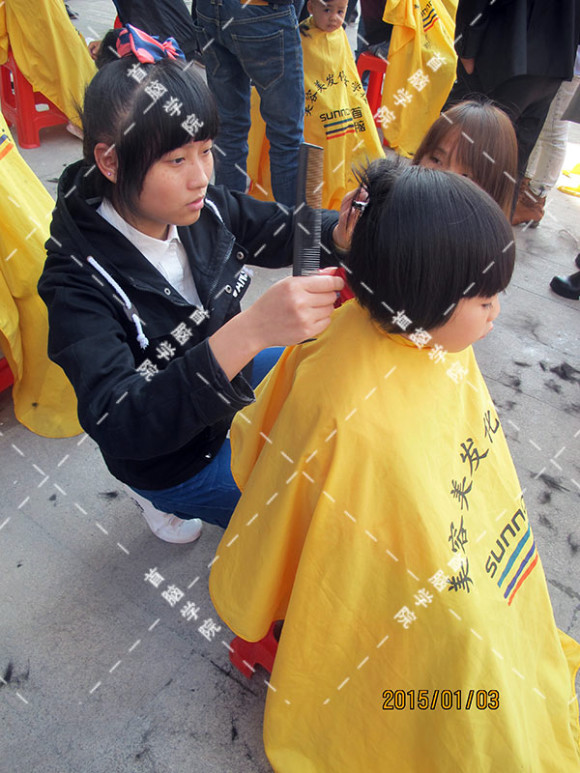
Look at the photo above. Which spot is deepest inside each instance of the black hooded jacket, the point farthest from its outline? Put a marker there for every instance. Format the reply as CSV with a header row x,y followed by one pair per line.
x,y
150,392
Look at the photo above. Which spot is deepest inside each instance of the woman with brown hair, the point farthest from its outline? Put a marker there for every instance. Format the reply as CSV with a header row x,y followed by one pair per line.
x,y
477,140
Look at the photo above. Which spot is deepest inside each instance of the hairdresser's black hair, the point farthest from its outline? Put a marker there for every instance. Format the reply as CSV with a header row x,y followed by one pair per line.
x,y
425,240
140,109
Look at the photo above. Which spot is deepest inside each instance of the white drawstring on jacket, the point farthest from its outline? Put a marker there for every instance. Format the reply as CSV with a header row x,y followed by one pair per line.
x,y
141,337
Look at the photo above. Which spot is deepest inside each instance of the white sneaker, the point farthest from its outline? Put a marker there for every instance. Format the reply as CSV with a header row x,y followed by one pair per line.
x,y
166,526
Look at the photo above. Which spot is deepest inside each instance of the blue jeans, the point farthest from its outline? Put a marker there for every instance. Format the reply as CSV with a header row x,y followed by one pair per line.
x,y
212,494
260,45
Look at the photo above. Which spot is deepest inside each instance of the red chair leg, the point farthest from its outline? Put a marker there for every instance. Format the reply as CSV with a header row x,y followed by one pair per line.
x,y
246,655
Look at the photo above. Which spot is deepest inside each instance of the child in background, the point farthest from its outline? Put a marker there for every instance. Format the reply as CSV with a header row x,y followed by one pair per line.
x,y
478,140
382,518
336,114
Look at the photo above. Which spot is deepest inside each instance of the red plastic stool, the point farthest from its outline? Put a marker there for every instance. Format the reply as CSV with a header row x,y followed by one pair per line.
x,y
246,655
6,377
376,68
19,105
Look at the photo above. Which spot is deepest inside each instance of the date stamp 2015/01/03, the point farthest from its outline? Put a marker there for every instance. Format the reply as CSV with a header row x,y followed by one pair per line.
x,y
429,700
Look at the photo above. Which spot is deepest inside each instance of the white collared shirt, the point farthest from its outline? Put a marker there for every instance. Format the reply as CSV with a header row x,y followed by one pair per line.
x,y
168,256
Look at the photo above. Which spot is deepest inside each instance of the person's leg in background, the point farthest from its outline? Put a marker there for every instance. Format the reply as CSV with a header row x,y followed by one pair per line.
x,y
260,43
277,72
526,99
230,86
546,160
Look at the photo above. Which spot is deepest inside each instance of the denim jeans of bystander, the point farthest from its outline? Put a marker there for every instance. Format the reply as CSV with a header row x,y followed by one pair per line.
x,y
245,44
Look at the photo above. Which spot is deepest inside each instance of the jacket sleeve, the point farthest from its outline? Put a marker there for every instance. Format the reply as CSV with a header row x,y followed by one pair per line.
x,y
265,229
129,415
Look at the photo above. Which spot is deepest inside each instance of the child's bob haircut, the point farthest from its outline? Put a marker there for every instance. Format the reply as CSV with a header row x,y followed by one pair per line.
x,y
425,240
485,144
144,111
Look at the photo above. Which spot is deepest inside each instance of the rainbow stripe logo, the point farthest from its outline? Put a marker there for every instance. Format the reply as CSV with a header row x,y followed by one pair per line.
x,y
5,145
339,128
522,561
429,20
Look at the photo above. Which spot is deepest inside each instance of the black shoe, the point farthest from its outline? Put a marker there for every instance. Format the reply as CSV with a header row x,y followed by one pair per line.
x,y
577,261
567,286
71,13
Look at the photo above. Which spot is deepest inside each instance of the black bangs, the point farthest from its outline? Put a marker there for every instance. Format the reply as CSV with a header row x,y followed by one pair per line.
x,y
426,240
171,107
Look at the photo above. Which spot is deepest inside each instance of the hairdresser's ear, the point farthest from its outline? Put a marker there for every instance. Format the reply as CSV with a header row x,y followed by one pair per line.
x,y
106,160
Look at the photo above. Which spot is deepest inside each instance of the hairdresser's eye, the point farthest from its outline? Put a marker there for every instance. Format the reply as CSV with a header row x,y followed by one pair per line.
x,y
207,151
176,160
434,159
487,305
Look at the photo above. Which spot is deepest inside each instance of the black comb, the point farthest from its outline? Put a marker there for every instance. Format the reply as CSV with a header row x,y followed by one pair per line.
x,y
307,218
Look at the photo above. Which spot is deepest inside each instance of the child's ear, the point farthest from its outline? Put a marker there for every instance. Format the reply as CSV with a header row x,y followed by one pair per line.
x,y
309,5
106,160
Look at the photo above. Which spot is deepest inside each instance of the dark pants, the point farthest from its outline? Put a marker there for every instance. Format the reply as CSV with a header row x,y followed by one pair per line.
x,y
212,494
525,98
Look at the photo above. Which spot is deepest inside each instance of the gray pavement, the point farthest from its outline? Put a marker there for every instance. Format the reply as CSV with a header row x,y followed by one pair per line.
x,y
100,672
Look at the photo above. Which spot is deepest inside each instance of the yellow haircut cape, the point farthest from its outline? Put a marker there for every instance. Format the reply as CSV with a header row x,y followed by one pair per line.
x,y
44,400
420,71
381,517
48,50
337,117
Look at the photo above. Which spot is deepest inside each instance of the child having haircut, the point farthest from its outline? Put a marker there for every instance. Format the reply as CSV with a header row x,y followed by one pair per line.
x,y
143,284
382,519
336,113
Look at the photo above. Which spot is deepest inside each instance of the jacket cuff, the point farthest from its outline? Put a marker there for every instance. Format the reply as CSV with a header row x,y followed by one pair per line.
x,y
219,396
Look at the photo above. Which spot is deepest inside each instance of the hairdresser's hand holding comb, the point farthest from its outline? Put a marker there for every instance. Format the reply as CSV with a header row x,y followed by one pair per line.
x,y
350,209
291,311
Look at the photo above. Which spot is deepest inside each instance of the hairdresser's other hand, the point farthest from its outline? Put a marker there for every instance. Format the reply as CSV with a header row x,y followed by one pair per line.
x,y
347,219
295,308
468,65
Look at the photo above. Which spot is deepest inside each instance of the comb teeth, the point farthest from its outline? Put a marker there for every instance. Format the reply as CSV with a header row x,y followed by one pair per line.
x,y
307,223
313,183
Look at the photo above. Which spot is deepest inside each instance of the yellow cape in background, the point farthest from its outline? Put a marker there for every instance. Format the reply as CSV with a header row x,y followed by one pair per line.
x,y
337,117
44,400
381,517
420,71
48,50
